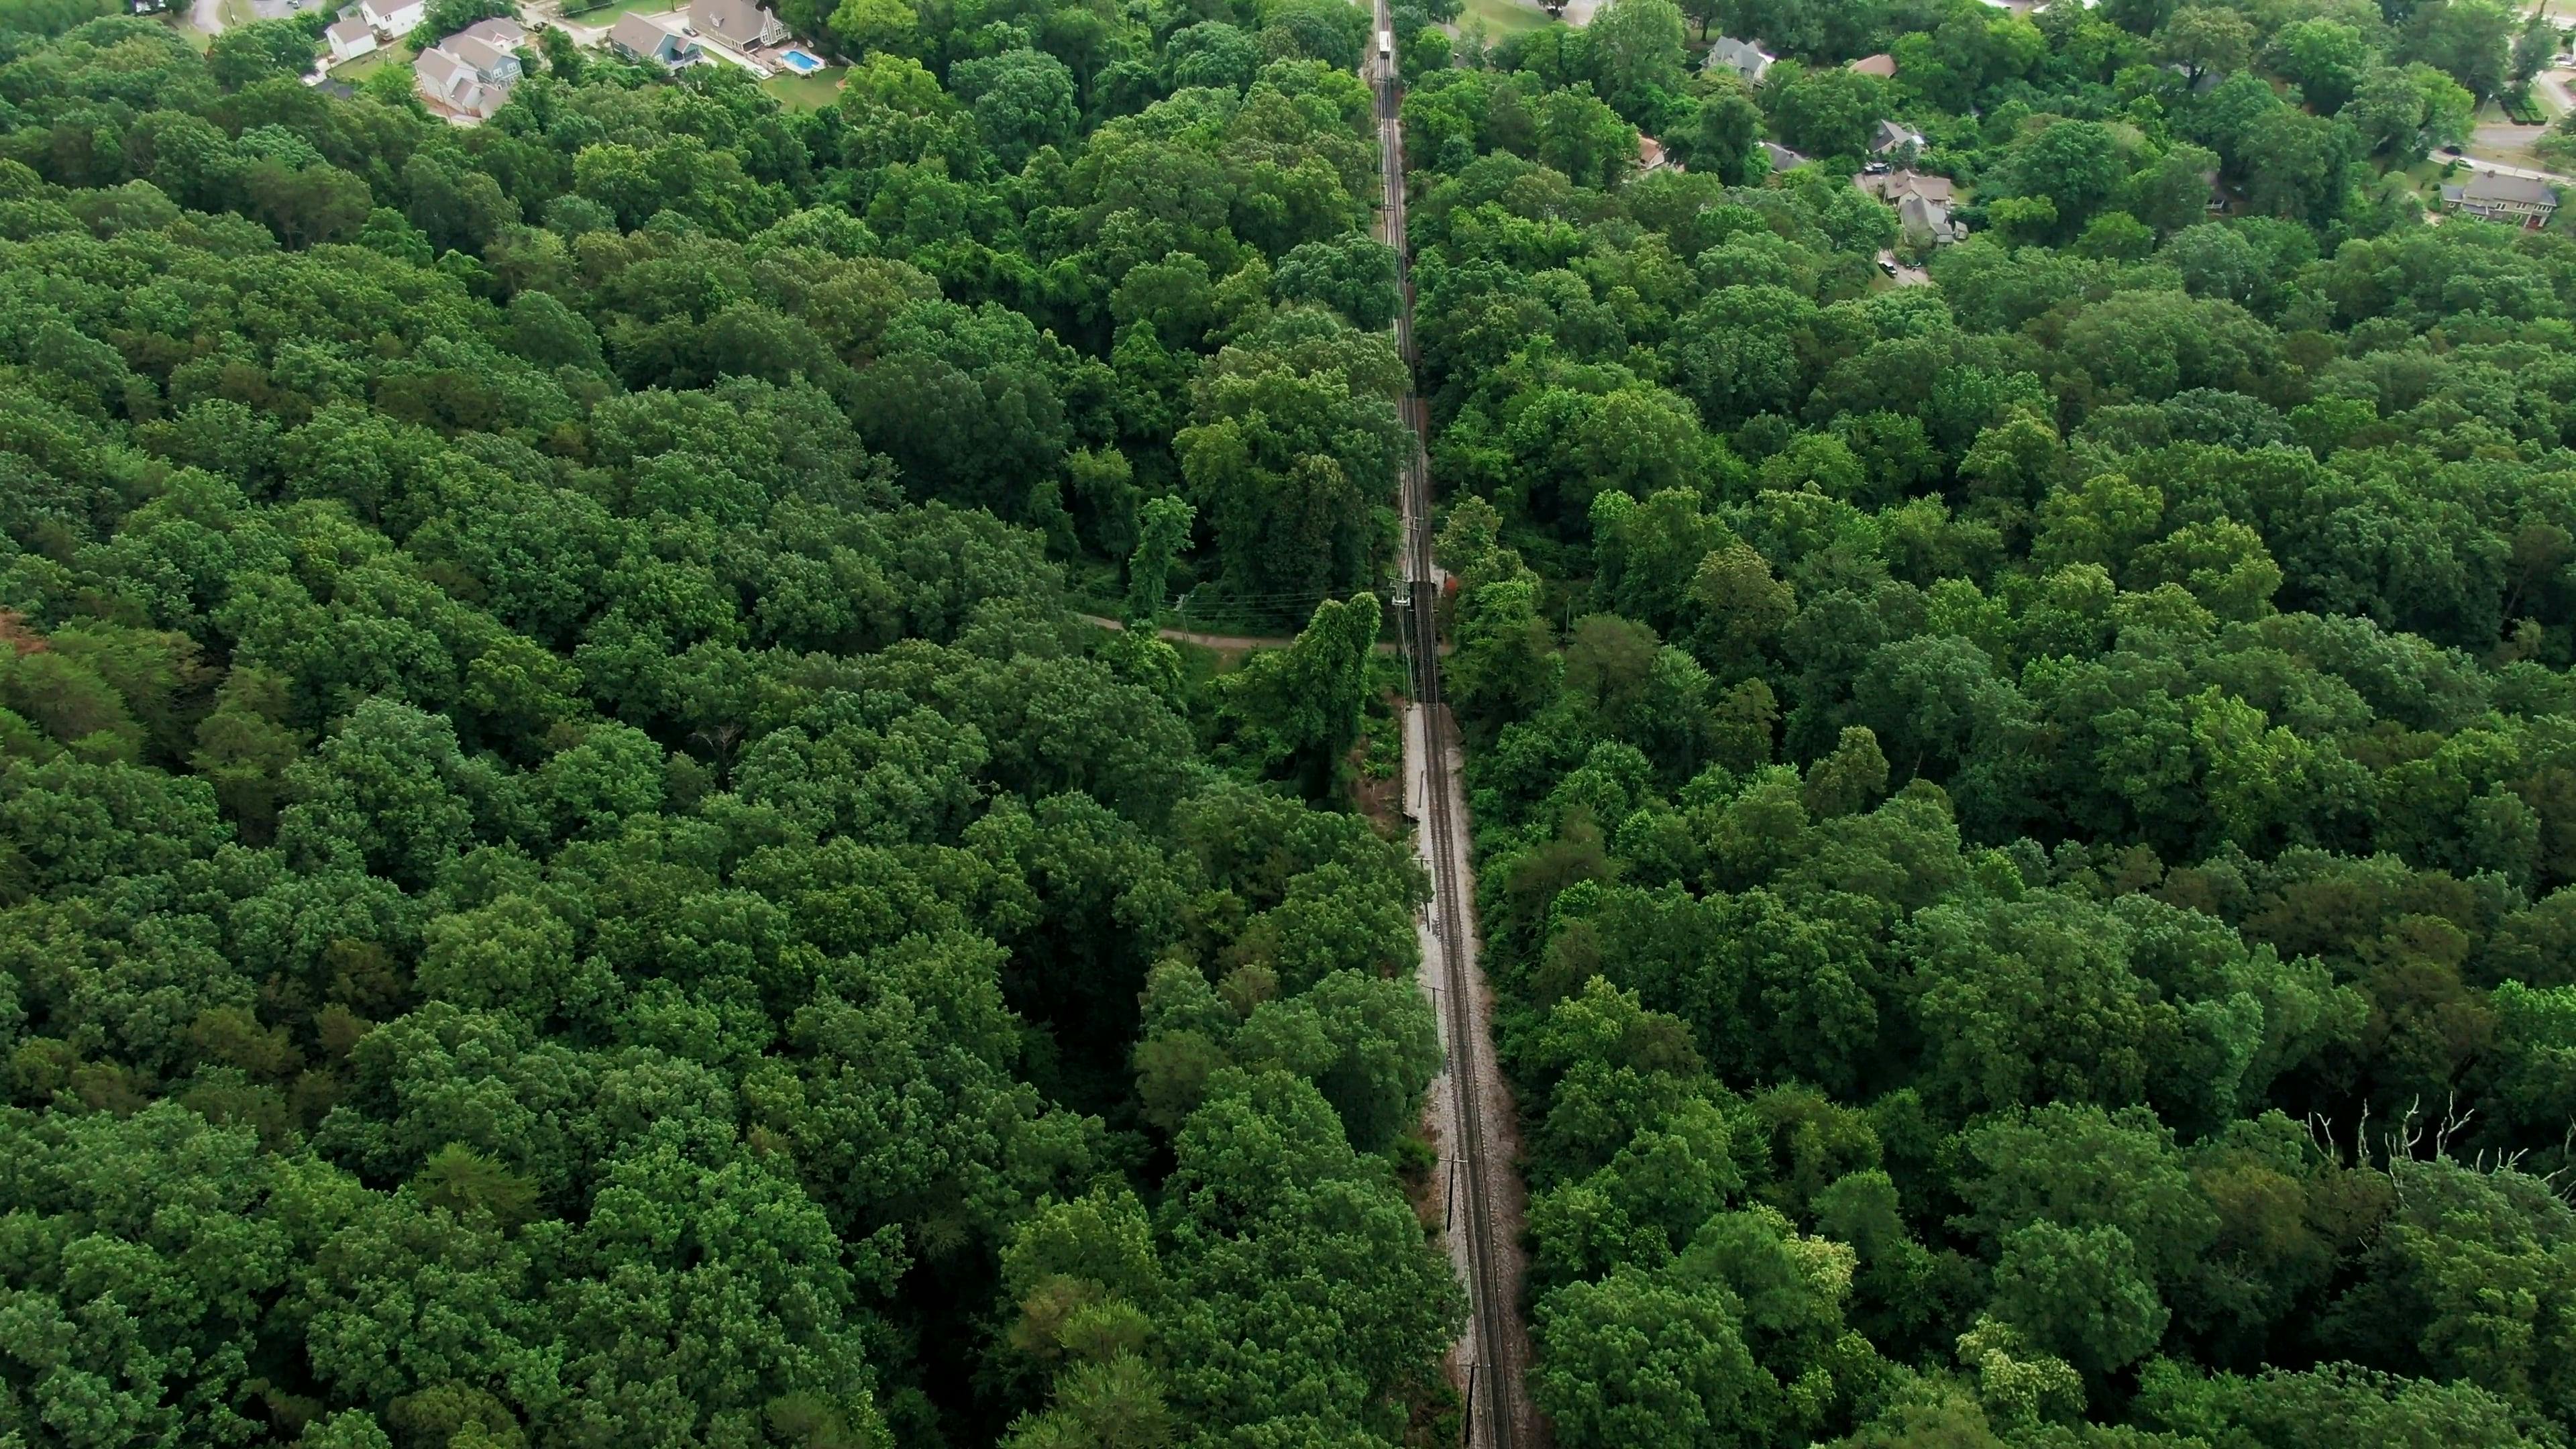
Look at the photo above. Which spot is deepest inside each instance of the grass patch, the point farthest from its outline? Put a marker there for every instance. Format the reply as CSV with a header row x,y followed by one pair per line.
x,y
2424,177
805,92
368,64
198,40
1503,17
235,13
607,15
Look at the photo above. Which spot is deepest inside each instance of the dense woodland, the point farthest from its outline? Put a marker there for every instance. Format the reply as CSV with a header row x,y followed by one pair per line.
x,y
2027,821
570,874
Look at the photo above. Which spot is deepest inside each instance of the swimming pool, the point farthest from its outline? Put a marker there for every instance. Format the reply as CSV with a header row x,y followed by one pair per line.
x,y
799,62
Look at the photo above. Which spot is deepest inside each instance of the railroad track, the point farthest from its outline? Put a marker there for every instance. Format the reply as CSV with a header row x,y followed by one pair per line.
x,y
1479,1171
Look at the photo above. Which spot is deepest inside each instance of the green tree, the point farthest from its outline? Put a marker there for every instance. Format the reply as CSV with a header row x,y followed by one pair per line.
x,y
1163,531
1022,99
2326,58
2079,1294
1353,274
2407,112
1302,704
2469,40
245,55
1637,1359
2204,39
1637,50
1826,111
1729,133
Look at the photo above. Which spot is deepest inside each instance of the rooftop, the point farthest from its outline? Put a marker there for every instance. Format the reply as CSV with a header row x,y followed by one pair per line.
x,y
638,34
1898,184
2489,186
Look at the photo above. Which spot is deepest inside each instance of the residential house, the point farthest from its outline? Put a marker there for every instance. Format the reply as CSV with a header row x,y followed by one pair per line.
x,y
469,74
1740,56
1881,65
639,39
1782,158
349,39
1650,154
738,23
392,18
1891,137
1922,206
2517,199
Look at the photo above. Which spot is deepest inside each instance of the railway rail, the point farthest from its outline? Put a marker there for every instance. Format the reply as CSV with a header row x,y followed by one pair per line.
x,y
1480,1184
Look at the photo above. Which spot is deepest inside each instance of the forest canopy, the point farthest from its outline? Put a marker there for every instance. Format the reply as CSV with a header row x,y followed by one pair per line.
x,y
569,871
2022,818
577,867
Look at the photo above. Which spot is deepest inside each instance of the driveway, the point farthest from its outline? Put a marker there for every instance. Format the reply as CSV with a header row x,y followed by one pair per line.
x,y
1903,276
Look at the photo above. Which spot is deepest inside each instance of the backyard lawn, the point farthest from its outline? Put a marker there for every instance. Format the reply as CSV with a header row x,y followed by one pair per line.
x,y
1504,17
606,15
375,60
804,92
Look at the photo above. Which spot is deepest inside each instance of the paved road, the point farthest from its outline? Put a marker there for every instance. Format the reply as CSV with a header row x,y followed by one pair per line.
x,y
2505,135
2480,163
1471,1105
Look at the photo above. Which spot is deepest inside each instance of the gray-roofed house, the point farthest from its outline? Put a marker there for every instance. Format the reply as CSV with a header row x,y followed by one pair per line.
x,y
738,23
469,74
639,39
1782,158
1891,137
1740,56
2517,199
1922,205
349,39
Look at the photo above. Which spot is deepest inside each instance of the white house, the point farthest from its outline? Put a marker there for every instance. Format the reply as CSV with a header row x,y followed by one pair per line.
x,y
349,39
392,18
